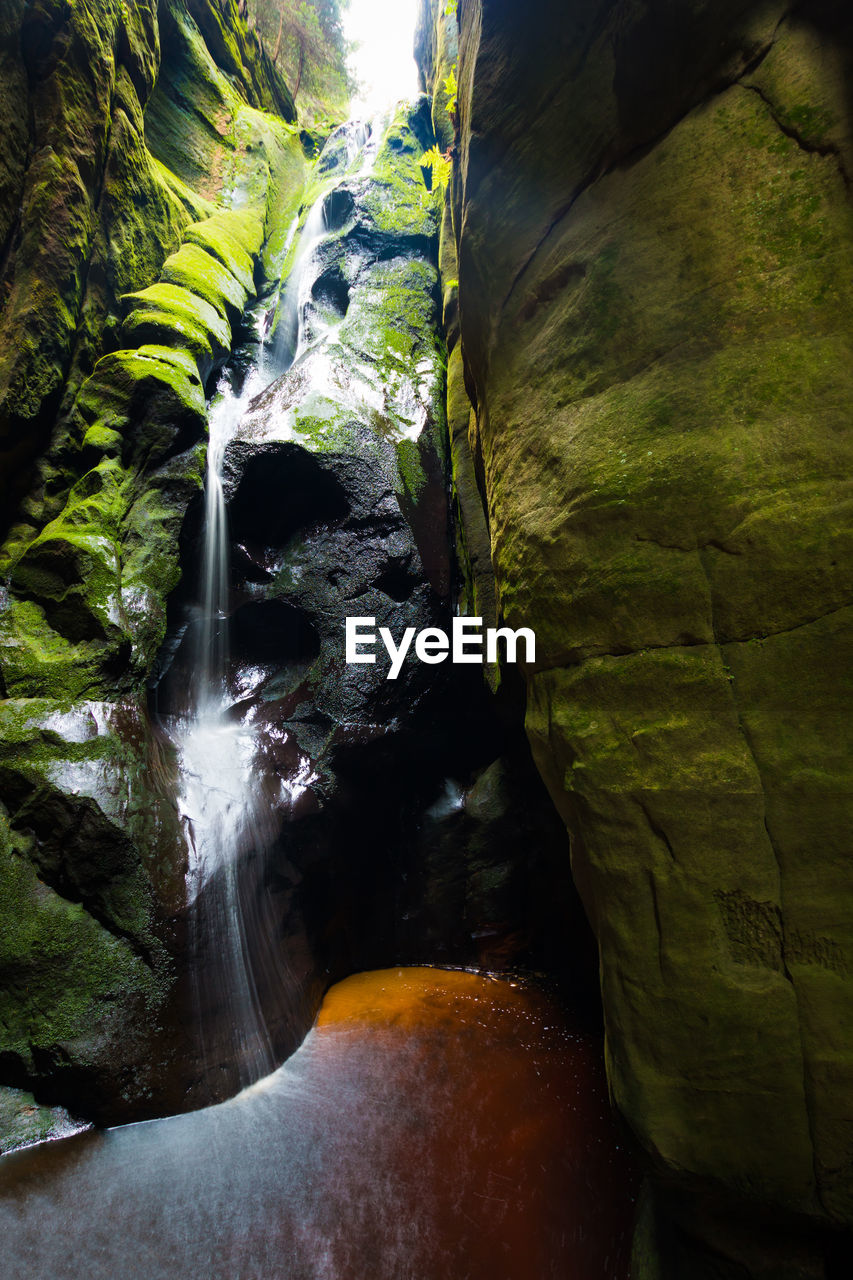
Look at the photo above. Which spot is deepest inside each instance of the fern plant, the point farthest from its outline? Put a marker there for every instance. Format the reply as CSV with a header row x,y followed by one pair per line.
x,y
440,166
451,89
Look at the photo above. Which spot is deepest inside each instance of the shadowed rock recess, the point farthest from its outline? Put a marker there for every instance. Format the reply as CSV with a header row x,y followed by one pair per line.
x,y
647,253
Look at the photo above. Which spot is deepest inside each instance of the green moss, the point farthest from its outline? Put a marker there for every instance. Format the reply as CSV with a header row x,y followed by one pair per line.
x,y
204,275
195,206
63,975
234,239
151,379
24,1122
412,473
446,57
39,662
392,323
86,783
177,316
178,325
397,200
73,567
103,440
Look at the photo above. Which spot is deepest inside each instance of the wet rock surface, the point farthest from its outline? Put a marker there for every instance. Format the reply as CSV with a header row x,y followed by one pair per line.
x,y
334,482
652,218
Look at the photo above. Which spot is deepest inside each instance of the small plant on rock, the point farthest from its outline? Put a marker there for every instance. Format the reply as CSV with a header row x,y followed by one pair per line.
x,y
440,165
451,89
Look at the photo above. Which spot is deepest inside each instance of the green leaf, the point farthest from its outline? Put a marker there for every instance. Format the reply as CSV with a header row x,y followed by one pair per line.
x,y
450,88
439,165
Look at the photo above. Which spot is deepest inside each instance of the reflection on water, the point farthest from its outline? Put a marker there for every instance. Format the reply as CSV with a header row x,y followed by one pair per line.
x,y
433,1126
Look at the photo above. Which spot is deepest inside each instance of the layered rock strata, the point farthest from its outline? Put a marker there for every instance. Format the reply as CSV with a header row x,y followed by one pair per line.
x,y
127,264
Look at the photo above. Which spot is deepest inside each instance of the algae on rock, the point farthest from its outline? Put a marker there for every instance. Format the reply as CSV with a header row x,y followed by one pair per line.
x,y
651,208
159,183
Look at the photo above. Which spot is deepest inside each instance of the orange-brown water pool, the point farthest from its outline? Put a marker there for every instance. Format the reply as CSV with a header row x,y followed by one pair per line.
x,y
434,1125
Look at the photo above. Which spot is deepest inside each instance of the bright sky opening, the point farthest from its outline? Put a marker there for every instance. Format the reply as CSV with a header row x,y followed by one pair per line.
x,y
383,62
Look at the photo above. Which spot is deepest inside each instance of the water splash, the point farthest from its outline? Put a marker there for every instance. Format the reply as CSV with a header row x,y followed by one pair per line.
x,y
226,819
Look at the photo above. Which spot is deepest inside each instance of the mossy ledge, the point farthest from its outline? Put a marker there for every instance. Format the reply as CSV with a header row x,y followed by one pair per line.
x,y
144,228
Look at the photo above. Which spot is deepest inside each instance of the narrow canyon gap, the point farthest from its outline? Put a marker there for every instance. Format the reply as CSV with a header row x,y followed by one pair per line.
x,y
210,817
563,342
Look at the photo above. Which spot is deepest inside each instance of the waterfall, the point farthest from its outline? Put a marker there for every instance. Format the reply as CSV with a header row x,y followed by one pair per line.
x,y
357,140
224,814
289,339
228,805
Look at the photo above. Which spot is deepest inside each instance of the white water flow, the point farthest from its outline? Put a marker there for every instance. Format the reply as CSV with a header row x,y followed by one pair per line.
x,y
227,817
290,339
227,803
293,336
224,814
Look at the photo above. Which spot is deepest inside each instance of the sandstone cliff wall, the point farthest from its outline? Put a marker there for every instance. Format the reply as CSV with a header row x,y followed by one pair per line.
x,y
151,160
651,209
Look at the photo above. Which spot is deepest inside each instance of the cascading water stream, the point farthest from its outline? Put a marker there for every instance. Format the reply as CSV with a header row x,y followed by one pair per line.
x,y
292,338
223,811
230,819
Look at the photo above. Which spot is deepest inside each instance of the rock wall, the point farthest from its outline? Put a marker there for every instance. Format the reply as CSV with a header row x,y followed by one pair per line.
x,y
651,209
145,181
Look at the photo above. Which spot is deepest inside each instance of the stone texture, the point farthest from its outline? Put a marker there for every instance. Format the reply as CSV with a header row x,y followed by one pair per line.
x,y
124,287
394,811
652,215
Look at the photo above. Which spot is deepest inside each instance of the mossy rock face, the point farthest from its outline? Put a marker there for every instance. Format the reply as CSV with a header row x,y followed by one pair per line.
x,y
168,313
85,958
92,200
336,472
87,198
369,384
119,293
202,274
655,266
205,126
23,1122
393,201
139,418
437,54
236,51
234,239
